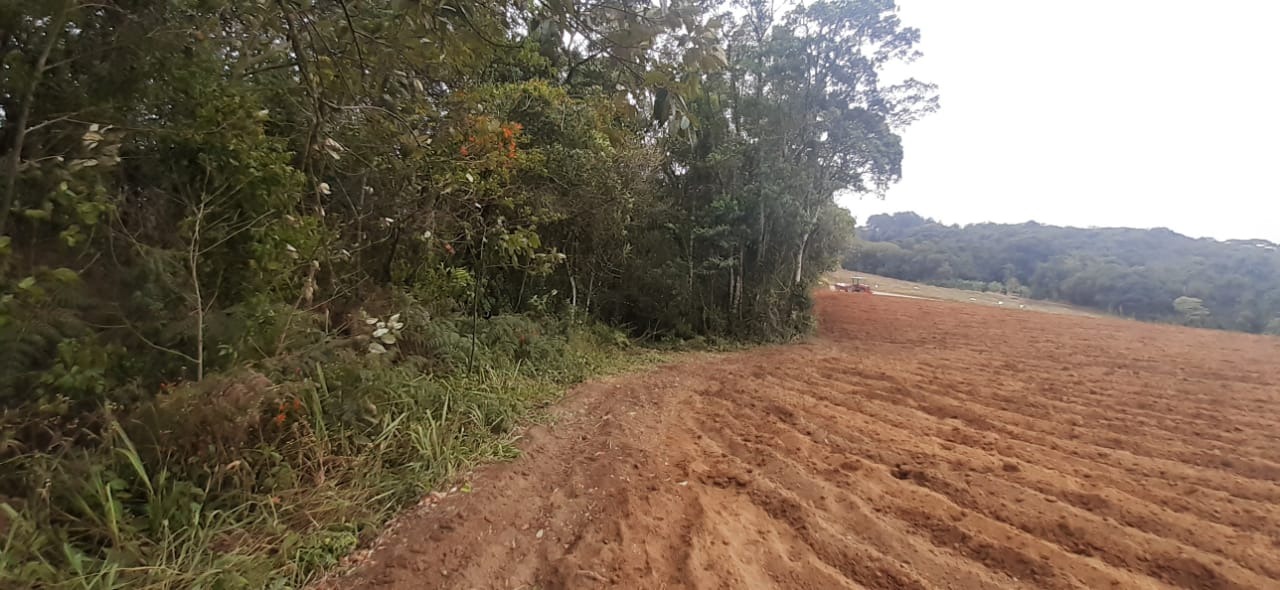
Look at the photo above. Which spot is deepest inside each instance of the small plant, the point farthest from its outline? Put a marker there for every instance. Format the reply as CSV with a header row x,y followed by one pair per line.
x,y
256,479
385,332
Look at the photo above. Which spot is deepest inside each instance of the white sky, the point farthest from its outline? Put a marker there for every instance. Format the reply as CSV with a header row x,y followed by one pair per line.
x,y
1138,113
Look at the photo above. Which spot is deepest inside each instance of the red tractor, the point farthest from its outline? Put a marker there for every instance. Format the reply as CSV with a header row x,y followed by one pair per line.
x,y
857,286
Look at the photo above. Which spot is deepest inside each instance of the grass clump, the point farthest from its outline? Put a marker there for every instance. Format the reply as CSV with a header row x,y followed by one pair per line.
x,y
264,477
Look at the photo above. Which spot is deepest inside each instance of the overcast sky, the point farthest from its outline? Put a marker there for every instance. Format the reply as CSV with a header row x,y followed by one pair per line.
x,y
1139,113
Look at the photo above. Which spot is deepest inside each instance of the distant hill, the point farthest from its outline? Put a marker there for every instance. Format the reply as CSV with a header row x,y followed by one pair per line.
x,y
1150,274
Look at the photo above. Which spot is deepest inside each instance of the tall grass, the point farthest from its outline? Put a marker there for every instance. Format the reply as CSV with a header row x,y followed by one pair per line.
x,y
266,478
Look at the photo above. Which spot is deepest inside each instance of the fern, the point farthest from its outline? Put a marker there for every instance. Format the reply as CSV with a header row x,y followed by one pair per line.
x,y
29,341
439,341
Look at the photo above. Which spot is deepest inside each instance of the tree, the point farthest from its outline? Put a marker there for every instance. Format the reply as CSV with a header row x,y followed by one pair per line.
x,y
212,211
758,151
1139,273
884,227
1192,309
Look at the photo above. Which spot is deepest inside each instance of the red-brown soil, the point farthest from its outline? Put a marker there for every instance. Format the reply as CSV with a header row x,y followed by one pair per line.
x,y
911,444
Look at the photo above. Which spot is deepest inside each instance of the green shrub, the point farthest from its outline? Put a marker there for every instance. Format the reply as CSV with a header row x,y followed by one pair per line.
x,y
254,478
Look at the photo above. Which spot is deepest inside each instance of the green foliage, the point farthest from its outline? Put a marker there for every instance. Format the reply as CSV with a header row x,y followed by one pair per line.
x,y
249,478
1192,310
1147,274
269,270
747,219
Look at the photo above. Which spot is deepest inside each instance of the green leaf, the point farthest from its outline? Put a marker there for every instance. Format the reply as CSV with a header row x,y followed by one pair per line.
x,y
64,274
27,283
70,236
88,212
37,214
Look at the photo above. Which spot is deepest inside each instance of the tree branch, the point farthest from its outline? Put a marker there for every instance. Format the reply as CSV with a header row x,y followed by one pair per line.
x,y
264,69
466,19
148,342
354,38
194,262
24,113
573,69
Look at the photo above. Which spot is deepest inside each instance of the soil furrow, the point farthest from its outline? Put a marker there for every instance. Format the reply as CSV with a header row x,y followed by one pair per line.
x,y
910,444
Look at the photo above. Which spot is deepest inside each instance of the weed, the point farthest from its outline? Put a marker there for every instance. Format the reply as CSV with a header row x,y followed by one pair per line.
x,y
264,479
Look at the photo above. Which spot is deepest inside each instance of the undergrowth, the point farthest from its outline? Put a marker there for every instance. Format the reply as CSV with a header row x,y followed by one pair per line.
x,y
264,477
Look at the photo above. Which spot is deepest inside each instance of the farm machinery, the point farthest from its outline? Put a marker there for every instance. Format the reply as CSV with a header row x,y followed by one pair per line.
x,y
857,286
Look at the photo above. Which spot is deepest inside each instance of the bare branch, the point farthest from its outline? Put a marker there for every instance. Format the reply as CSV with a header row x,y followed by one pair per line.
x,y
194,263
148,342
354,38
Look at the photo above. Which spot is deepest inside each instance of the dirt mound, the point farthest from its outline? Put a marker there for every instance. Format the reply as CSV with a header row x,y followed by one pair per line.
x,y
914,444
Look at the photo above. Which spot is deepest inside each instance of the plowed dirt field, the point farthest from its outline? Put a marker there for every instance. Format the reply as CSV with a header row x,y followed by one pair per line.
x,y
911,444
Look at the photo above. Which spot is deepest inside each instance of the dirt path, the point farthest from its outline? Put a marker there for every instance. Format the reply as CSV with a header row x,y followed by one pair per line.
x,y
913,444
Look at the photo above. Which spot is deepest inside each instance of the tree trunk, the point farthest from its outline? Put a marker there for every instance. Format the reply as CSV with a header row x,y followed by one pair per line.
x,y
24,113
742,277
313,131
733,278
804,244
689,247
760,244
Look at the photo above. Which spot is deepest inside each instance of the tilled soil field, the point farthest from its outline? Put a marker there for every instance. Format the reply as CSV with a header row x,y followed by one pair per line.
x,y
912,444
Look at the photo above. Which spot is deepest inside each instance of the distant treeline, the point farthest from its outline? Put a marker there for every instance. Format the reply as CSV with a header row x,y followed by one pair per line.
x,y
1154,274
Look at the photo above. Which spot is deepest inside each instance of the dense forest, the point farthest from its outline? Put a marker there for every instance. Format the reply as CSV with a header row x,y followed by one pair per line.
x,y
1152,274
269,270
